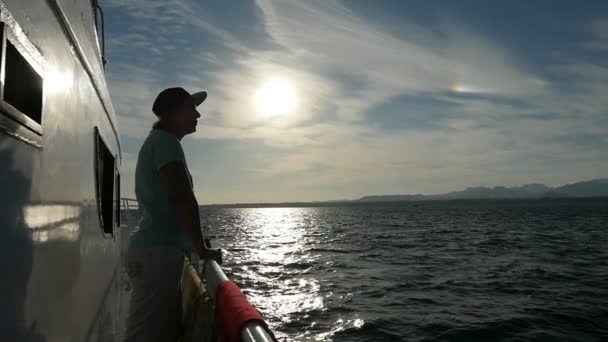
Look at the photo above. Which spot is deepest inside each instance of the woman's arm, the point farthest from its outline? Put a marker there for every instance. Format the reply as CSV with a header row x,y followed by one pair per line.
x,y
175,178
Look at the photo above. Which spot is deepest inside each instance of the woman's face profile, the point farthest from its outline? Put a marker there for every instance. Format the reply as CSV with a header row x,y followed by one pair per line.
x,y
185,118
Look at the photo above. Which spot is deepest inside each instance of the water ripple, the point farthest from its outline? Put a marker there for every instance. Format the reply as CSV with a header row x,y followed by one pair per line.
x,y
435,271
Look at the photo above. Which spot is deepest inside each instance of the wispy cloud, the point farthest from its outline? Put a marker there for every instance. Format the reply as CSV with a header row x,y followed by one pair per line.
x,y
501,120
163,18
599,35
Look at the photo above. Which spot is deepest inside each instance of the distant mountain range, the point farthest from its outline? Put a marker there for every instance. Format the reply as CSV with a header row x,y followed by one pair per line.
x,y
592,188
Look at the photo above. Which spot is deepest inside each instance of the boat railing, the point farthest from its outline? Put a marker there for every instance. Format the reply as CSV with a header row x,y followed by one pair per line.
x,y
254,331
129,211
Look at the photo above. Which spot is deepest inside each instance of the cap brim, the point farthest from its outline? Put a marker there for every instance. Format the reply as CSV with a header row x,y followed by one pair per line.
x,y
199,97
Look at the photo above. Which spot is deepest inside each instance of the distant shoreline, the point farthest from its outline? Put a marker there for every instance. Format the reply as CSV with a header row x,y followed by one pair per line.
x,y
595,188
356,203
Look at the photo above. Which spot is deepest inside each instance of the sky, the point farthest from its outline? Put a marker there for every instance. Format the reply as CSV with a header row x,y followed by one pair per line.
x,y
370,97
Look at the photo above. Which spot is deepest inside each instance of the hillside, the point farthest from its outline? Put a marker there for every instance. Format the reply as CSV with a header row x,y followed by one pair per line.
x,y
591,188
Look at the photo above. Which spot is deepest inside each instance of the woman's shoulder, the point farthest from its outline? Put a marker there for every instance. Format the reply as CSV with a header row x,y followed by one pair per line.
x,y
160,137
162,145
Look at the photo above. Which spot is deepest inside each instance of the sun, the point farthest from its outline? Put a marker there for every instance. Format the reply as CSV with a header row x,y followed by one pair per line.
x,y
275,97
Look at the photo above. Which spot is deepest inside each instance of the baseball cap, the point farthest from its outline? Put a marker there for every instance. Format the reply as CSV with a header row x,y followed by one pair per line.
x,y
170,98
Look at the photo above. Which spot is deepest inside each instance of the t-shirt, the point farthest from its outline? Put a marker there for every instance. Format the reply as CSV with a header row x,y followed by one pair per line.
x,y
159,224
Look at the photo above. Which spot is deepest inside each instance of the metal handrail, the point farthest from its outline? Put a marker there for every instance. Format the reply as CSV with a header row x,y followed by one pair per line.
x,y
128,212
253,331
125,203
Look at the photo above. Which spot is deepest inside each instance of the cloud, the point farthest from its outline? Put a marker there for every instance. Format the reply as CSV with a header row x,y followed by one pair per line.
x,y
500,121
133,89
164,18
331,36
320,40
385,66
599,35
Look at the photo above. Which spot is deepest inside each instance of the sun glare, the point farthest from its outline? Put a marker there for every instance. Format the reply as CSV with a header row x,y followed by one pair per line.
x,y
275,97
462,88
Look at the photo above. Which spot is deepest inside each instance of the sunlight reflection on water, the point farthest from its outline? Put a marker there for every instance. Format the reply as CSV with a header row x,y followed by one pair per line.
x,y
280,236
272,261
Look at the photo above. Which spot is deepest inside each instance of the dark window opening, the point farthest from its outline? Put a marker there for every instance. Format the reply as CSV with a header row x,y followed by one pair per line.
x,y
105,169
101,37
22,84
117,199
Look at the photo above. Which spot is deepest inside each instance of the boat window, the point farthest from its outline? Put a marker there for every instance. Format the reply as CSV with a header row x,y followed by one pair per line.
x,y
105,171
22,84
117,199
21,90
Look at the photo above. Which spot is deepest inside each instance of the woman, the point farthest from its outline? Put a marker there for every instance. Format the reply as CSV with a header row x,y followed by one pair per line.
x,y
169,225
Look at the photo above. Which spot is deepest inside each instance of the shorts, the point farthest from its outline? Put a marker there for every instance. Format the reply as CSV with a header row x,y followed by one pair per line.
x,y
154,308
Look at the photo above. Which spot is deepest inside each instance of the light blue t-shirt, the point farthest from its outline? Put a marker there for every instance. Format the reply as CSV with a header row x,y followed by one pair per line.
x,y
159,224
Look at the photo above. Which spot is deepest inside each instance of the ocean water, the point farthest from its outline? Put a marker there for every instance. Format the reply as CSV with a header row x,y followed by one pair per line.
x,y
533,270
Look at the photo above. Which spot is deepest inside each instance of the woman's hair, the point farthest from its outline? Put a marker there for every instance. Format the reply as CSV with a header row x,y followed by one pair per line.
x,y
160,123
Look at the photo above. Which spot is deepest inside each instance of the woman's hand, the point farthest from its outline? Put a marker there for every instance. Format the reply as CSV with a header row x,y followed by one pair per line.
x,y
210,253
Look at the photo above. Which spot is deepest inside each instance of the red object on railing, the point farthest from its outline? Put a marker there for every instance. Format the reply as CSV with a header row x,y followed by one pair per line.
x,y
232,312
